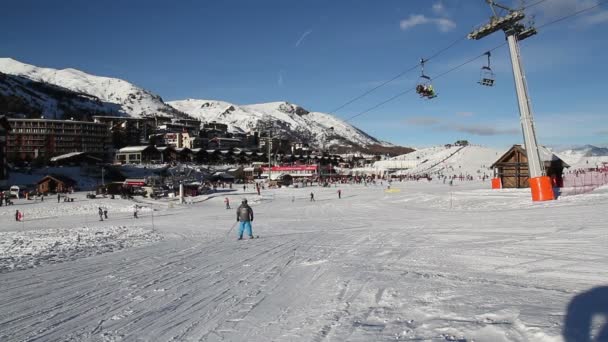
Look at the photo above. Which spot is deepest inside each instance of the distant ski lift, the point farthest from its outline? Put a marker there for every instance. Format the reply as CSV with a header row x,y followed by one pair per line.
x,y
486,77
424,87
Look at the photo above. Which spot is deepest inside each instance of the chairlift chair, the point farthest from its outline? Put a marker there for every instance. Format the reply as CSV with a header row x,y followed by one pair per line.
x,y
424,83
486,77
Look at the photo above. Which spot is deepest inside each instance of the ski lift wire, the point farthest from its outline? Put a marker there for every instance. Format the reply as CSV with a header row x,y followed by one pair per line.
x,y
399,75
473,59
413,88
572,14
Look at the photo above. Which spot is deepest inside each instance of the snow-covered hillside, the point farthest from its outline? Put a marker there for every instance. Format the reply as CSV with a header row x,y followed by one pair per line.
x,y
453,160
22,95
116,96
289,119
51,93
587,156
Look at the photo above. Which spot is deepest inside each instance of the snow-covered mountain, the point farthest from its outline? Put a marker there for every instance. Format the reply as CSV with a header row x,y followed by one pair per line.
x,y
112,96
584,156
35,99
288,119
53,93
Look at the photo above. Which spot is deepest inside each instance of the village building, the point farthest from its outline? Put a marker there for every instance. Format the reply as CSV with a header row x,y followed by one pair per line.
x,y
55,184
41,138
137,154
512,167
127,131
75,158
5,128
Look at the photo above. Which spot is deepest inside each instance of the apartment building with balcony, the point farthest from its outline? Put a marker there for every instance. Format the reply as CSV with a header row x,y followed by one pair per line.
x,y
30,139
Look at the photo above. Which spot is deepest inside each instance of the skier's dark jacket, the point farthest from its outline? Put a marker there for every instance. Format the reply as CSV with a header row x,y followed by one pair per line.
x,y
244,213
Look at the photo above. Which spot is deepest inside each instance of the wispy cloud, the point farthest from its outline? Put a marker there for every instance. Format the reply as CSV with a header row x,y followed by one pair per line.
x,y
304,35
442,24
465,114
422,121
482,130
553,9
602,132
439,9
280,78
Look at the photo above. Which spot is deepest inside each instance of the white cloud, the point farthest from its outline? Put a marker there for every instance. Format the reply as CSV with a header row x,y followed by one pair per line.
x,y
439,9
302,37
422,121
484,130
555,9
413,20
465,114
443,24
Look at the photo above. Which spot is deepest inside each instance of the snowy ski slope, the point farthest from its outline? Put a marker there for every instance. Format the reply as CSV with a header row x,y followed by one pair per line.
x,y
425,262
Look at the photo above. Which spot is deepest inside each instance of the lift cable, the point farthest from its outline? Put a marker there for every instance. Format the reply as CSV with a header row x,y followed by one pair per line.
x,y
471,60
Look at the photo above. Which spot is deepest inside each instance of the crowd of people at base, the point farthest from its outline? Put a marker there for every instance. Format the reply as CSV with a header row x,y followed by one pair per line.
x,y
582,171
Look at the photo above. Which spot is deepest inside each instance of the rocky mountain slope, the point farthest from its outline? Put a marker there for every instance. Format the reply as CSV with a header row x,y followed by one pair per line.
x,y
287,120
111,95
71,93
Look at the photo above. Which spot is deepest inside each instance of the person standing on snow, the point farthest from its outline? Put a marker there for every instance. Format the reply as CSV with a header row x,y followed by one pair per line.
x,y
227,201
100,214
244,215
105,213
135,211
339,193
312,197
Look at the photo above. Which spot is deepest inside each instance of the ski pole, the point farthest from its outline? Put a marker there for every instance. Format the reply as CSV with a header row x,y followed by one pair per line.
x,y
229,230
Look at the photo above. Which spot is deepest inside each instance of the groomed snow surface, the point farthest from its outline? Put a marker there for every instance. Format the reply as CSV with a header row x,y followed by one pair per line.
x,y
424,261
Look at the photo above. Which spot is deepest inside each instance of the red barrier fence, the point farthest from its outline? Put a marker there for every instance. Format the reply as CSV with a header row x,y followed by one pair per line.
x,y
581,182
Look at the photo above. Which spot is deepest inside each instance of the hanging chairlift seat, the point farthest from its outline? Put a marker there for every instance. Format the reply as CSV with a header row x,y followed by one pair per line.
x,y
486,77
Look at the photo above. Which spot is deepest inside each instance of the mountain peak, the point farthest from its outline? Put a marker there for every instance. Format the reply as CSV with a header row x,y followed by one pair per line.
x,y
117,97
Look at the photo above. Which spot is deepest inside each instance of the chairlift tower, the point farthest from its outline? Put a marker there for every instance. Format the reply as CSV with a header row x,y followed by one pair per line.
x,y
269,125
540,184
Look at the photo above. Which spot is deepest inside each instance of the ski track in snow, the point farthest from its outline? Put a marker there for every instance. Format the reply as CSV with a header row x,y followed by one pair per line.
x,y
429,263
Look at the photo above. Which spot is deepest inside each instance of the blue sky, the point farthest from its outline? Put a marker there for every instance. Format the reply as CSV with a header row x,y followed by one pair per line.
x,y
320,54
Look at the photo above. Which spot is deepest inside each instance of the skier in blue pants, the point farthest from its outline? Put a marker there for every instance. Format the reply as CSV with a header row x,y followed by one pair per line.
x,y
244,215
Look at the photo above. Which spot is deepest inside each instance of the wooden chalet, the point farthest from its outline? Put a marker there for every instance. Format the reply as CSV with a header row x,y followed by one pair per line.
x,y
512,167
55,184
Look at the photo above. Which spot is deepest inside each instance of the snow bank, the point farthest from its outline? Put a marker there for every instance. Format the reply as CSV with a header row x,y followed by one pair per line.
x,y
22,250
50,208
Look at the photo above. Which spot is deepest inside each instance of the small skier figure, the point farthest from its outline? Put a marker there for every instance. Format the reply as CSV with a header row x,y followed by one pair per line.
x,y
244,215
100,214
135,211
227,201
58,197
312,197
18,216
105,213
339,193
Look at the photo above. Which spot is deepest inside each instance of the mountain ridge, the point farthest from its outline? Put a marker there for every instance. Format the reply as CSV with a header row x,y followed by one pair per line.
x,y
72,93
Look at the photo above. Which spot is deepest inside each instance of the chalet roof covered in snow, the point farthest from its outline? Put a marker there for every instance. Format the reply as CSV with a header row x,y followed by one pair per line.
x,y
135,149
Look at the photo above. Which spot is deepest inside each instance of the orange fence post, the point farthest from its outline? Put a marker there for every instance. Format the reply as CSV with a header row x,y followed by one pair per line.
x,y
496,183
541,189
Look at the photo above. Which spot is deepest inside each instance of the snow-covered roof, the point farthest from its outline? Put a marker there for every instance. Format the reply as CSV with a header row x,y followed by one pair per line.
x,y
66,156
131,149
